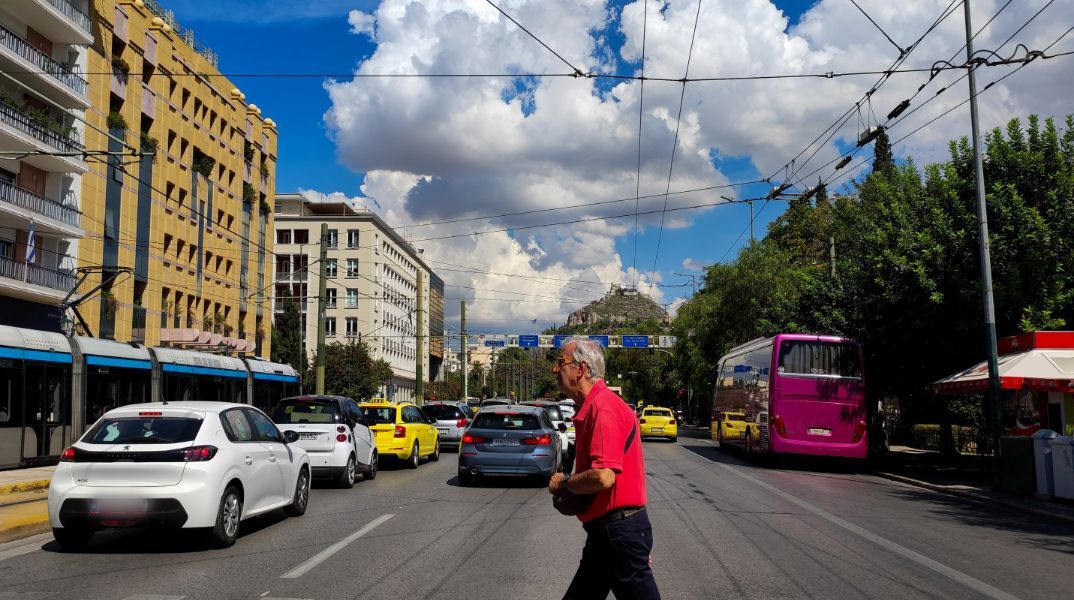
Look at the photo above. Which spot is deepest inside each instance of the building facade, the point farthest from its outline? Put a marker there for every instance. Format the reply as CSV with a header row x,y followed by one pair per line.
x,y
42,97
372,286
179,226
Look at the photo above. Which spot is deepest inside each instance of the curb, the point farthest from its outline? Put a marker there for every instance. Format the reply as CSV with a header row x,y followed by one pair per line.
x,y
24,486
975,497
26,520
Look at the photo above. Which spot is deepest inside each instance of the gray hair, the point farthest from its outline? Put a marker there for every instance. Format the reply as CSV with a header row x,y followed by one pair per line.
x,y
589,352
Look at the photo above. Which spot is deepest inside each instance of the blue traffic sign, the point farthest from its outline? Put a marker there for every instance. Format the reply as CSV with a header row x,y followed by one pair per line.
x,y
495,343
635,341
600,339
559,340
527,341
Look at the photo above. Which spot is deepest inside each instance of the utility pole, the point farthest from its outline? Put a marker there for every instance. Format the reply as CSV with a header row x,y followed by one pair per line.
x,y
751,222
419,369
462,353
831,242
492,372
994,393
322,282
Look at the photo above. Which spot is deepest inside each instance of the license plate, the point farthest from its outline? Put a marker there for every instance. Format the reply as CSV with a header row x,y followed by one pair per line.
x,y
504,442
123,507
819,431
657,430
442,429
307,436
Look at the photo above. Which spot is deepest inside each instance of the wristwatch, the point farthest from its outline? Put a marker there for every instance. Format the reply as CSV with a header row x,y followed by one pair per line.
x,y
566,478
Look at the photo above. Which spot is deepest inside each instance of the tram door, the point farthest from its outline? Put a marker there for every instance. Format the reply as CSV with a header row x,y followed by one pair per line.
x,y
10,412
46,410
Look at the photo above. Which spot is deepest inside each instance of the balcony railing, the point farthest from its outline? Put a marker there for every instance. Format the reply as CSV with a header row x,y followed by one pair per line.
x,y
17,269
292,276
72,12
42,61
14,117
13,194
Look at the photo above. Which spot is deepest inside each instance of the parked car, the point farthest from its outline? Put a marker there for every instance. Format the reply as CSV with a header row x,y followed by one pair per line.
x,y
451,420
474,404
401,430
555,414
657,421
332,430
496,402
178,464
509,440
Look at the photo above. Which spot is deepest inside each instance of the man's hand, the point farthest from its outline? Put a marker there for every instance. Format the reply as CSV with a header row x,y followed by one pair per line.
x,y
556,484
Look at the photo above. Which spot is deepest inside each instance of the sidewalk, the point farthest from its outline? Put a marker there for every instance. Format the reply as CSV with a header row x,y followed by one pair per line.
x,y
23,502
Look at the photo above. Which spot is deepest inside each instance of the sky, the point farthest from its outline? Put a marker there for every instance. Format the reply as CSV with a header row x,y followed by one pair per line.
x,y
420,150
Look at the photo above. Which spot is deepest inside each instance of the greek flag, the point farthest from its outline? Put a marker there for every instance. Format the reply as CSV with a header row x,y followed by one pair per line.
x,y
31,245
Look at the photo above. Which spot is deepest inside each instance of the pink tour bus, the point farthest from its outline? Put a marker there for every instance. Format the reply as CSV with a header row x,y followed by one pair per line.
x,y
793,394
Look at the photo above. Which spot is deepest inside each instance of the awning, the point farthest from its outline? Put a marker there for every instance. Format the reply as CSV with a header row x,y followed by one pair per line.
x,y
1051,370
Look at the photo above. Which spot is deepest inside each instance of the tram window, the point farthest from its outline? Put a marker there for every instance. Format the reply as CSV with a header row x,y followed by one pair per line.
x,y
10,396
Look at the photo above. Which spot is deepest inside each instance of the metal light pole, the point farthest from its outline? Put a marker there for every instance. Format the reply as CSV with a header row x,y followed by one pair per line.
x,y
462,353
419,369
994,392
322,282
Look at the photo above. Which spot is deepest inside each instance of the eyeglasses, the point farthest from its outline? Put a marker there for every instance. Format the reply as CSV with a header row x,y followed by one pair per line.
x,y
562,362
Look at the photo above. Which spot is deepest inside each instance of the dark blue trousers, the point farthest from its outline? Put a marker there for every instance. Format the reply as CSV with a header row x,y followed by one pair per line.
x,y
616,559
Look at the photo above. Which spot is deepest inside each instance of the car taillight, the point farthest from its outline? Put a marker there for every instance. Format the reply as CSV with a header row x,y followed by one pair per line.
x,y
541,440
859,431
199,453
400,431
780,425
155,413
641,420
341,429
462,422
473,439
671,422
341,437
68,455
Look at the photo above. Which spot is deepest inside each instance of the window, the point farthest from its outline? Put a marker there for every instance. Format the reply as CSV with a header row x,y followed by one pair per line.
x,y
331,267
283,236
352,327
352,267
330,298
330,327
307,411
266,429
819,359
302,236
236,426
144,430
333,238
352,238
352,298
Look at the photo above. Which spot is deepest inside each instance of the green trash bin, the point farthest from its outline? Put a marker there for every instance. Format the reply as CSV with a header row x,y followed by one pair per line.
x,y
1017,472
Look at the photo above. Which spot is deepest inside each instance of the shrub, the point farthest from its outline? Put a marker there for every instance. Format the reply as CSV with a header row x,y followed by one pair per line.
x,y
149,143
248,193
116,121
121,65
248,151
204,164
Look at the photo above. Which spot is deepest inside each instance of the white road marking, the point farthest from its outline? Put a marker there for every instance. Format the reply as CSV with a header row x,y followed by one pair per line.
x,y
24,546
327,553
958,576
153,597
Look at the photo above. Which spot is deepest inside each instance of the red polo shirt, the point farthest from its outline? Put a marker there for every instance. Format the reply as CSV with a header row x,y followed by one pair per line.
x,y
602,425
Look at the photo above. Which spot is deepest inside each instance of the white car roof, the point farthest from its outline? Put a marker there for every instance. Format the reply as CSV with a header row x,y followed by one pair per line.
x,y
203,406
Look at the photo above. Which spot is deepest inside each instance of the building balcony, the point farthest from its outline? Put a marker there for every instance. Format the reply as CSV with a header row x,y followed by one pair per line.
x,y
18,206
20,131
299,276
40,72
58,20
32,282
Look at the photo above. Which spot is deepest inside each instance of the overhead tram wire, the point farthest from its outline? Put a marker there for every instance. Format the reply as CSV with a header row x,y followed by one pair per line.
x,y
641,114
674,147
878,27
577,72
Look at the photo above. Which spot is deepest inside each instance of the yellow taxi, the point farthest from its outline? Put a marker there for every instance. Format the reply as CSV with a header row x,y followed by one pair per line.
x,y
401,430
730,425
657,421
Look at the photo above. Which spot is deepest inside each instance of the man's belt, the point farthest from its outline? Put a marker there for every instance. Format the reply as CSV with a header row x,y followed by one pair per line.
x,y
612,516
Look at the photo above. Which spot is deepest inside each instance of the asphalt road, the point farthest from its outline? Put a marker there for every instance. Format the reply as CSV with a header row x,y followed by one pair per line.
x,y
722,528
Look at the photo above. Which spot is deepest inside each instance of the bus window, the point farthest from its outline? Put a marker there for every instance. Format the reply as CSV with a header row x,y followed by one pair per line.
x,y
819,359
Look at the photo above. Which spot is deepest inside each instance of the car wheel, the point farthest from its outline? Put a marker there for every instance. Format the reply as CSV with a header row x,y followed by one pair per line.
x,y
371,471
466,479
346,478
71,538
719,437
297,508
674,439
228,516
414,460
435,456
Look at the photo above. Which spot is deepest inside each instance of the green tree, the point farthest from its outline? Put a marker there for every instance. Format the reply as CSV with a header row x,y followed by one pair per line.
x,y
287,346
883,159
350,370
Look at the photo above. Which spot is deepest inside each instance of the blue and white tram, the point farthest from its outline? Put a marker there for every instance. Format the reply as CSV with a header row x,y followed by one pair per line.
x,y
52,387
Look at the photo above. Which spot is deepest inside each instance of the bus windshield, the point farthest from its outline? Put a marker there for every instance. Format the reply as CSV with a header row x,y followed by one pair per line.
x,y
819,359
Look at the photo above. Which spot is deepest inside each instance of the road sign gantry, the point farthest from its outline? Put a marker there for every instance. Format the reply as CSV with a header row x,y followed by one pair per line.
x,y
557,341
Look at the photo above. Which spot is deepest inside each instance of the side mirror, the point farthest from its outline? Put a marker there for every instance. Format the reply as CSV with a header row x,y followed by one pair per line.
x,y
431,421
290,437
563,428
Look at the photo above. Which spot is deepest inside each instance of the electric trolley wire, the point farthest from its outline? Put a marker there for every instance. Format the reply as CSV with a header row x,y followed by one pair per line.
x,y
577,71
641,114
878,27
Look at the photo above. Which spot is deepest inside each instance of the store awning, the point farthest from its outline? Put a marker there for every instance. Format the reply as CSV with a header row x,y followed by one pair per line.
x,y
1048,369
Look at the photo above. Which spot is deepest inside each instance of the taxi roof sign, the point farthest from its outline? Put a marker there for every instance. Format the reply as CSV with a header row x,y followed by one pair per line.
x,y
376,401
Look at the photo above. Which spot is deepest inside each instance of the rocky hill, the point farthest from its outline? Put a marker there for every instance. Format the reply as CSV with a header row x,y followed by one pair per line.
x,y
621,307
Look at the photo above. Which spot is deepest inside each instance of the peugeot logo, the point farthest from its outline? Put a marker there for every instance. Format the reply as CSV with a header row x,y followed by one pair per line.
x,y
126,447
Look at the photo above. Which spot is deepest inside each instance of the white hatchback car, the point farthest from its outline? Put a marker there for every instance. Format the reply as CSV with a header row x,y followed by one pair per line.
x,y
332,430
178,464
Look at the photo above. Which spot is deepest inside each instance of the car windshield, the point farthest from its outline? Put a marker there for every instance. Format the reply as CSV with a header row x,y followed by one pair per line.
x,y
307,411
442,411
553,412
498,420
377,414
143,430
657,413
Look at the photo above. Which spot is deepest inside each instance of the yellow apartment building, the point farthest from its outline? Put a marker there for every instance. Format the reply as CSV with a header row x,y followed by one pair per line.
x,y
181,233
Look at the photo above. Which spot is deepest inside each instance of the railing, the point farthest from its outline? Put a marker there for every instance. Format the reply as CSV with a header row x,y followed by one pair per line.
x,y
14,117
17,269
292,276
13,194
186,34
80,18
42,61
